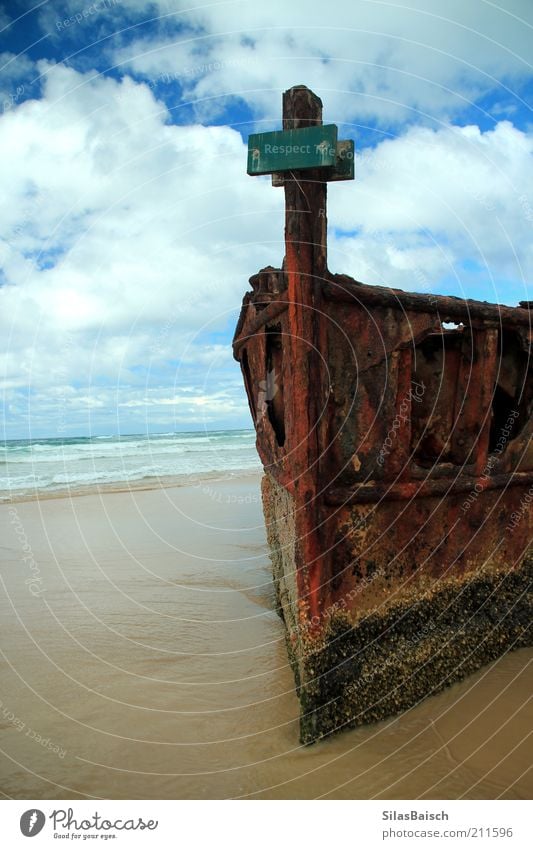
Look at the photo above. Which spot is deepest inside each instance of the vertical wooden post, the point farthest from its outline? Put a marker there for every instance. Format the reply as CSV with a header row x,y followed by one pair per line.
x,y
305,263
305,192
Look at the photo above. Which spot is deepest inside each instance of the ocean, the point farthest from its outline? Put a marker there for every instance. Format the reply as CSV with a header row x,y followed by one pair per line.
x,y
33,466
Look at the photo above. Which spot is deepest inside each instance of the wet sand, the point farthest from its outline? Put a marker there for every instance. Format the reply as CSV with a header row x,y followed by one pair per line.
x,y
141,657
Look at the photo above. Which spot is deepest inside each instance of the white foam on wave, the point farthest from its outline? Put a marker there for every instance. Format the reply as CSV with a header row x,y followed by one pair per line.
x,y
57,464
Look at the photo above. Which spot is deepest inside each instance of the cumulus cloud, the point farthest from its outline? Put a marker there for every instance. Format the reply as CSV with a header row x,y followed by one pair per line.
x,y
131,231
16,73
126,239
430,200
388,62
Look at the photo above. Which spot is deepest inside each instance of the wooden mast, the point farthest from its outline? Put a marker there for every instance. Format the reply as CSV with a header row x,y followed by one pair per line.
x,y
305,264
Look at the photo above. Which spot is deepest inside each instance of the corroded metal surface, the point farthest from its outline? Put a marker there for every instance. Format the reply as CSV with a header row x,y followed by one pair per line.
x,y
395,432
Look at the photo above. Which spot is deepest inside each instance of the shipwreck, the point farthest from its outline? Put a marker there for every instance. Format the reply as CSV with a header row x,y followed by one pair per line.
x,y
395,433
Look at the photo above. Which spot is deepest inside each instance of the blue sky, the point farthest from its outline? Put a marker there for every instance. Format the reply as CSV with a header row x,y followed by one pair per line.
x,y
132,229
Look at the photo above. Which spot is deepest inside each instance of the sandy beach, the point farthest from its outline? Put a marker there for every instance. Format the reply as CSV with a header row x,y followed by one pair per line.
x,y
142,658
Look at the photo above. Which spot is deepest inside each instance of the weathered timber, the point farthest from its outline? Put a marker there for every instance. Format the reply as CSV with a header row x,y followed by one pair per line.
x,y
395,433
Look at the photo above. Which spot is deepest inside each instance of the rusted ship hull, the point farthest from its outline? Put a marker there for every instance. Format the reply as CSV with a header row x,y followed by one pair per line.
x,y
395,433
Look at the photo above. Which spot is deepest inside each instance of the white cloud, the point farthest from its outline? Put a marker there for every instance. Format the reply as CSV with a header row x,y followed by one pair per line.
x,y
127,243
390,61
16,74
430,200
139,232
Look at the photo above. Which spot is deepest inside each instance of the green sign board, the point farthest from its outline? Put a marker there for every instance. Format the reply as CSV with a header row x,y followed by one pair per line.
x,y
292,150
345,161
344,168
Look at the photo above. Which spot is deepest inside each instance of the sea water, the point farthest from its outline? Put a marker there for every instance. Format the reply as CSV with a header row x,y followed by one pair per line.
x,y
32,466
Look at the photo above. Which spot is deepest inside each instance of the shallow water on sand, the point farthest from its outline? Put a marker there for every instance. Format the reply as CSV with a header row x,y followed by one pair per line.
x,y
142,658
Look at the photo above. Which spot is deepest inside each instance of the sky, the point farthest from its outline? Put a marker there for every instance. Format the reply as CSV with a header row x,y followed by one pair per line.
x,y
129,228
